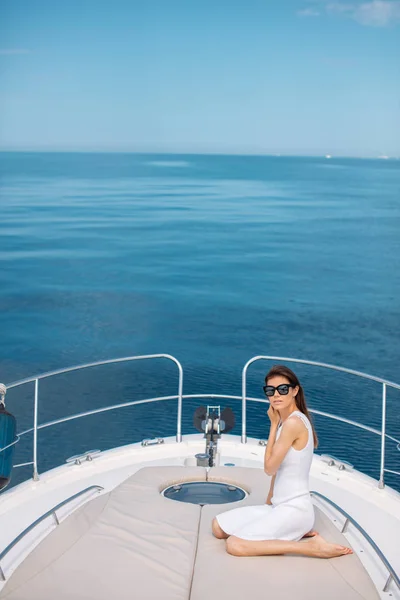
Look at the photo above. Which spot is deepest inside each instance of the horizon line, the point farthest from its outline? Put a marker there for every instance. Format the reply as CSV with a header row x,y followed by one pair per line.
x,y
197,153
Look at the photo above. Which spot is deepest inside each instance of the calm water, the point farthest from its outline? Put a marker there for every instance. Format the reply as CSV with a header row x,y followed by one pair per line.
x,y
213,259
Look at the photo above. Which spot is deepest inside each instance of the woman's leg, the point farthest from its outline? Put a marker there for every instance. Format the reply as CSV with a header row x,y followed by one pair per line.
x,y
217,531
315,546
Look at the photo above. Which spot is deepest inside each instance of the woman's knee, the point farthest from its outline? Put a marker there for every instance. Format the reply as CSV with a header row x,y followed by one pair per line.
x,y
217,531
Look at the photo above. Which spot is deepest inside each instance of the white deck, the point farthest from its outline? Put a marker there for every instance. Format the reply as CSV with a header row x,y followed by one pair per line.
x,y
377,511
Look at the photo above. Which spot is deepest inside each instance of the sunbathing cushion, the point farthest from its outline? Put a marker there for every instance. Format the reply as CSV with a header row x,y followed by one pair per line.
x,y
130,543
284,577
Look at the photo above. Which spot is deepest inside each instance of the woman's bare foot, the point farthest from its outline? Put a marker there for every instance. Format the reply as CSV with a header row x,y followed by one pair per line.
x,y
311,533
323,549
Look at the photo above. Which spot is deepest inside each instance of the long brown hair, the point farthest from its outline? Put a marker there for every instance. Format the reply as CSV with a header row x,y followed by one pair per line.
x,y
282,371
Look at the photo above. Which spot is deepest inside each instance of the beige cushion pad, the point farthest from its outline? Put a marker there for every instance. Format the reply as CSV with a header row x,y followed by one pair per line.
x,y
130,543
273,577
253,481
133,543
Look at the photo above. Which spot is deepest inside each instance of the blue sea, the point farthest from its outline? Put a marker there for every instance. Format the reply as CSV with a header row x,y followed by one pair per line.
x,y
213,259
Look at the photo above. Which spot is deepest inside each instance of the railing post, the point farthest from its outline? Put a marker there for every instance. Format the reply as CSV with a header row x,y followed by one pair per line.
x,y
180,392
388,582
345,526
35,475
244,436
381,483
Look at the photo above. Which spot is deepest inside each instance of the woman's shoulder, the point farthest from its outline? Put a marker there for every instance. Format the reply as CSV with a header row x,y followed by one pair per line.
x,y
293,424
301,418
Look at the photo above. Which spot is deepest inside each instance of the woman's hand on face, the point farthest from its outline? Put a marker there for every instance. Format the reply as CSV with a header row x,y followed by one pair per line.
x,y
274,416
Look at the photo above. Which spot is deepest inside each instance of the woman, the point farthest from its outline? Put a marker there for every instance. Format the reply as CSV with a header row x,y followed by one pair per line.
x,y
288,515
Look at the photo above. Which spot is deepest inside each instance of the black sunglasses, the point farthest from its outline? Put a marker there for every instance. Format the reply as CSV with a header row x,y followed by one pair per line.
x,y
283,389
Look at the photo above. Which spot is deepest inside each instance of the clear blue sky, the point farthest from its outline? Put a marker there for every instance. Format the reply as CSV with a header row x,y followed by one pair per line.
x,y
235,76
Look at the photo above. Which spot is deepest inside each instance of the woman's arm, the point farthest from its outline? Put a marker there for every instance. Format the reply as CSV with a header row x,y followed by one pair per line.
x,y
276,451
275,419
270,444
271,491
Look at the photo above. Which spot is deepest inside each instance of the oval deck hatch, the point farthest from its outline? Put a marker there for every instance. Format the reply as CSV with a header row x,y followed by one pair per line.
x,y
204,492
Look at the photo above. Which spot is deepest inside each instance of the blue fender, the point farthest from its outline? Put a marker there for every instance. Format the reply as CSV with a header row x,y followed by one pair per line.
x,y
8,430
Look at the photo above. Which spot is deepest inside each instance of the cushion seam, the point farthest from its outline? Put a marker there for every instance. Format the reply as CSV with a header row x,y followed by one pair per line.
x,y
195,553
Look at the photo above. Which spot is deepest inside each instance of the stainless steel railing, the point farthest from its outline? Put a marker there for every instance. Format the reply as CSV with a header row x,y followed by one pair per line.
x,y
282,359
348,519
244,398
37,378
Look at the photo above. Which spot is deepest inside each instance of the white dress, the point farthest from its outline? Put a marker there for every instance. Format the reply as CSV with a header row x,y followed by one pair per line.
x,y
291,514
